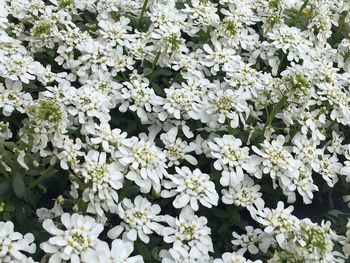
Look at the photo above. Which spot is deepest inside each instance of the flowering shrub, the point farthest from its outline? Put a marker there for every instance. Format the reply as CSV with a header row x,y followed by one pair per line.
x,y
174,131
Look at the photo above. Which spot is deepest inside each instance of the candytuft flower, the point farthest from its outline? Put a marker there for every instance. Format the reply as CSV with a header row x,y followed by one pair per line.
x,y
76,236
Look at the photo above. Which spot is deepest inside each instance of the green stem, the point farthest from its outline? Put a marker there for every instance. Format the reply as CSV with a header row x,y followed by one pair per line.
x,y
154,63
303,6
3,170
42,177
330,200
144,7
331,125
274,111
298,14
341,23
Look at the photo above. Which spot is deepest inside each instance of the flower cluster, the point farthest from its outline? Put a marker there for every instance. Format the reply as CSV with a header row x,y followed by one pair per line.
x,y
174,131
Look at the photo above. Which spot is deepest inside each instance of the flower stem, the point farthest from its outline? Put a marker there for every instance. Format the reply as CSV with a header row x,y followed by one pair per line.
x,y
144,7
274,111
42,177
154,63
3,170
303,6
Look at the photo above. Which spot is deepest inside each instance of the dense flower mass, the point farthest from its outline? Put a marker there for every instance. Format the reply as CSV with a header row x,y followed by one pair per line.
x,y
174,131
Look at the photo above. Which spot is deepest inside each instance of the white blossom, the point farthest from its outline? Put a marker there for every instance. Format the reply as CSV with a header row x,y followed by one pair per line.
x,y
14,244
119,252
140,219
188,231
190,187
78,235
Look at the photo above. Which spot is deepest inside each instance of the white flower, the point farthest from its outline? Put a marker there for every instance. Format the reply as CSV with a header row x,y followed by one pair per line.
x,y
69,41
176,149
228,257
105,84
182,255
12,97
69,152
47,123
303,183
94,58
47,76
89,103
248,81
14,244
25,260
180,102
291,40
343,59
48,115
276,221
310,242
63,92
76,237
254,240
120,62
140,219
189,188
226,105
189,230
103,179
116,33
346,244
336,144
277,161
3,14
5,132
110,139
245,194
174,106
140,98
202,13
44,213
329,168
170,44
20,159
338,99
165,12
19,67
146,163
118,253
306,150
219,58
232,158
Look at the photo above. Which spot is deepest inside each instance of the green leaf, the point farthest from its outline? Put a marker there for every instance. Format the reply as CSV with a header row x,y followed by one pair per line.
x,y
147,71
35,171
219,213
77,18
30,198
10,208
275,110
143,250
223,228
232,131
49,172
20,214
164,72
18,186
126,187
10,145
7,157
4,186
7,216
